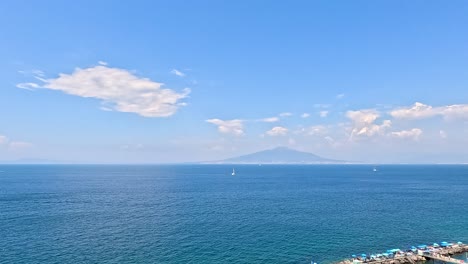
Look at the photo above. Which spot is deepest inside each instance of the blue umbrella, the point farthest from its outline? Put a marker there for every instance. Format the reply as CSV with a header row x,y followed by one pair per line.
x,y
363,255
353,256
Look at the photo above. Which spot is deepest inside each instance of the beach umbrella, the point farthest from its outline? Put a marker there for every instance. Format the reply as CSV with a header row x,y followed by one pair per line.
x,y
363,255
353,256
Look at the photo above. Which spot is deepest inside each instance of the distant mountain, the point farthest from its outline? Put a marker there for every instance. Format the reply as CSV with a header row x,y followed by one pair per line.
x,y
279,155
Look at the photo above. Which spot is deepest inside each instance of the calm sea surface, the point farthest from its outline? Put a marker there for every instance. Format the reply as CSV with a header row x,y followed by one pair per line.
x,y
202,214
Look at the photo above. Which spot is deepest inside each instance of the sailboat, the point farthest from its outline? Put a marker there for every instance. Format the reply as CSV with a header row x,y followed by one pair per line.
x,y
233,172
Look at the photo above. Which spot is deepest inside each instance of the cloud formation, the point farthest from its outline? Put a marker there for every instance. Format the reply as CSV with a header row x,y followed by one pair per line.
x,y
364,123
28,86
285,114
316,130
323,113
270,119
118,90
277,131
305,115
234,127
420,111
178,73
411,134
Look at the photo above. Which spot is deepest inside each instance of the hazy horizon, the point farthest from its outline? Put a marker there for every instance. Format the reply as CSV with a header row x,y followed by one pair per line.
x,y
227,161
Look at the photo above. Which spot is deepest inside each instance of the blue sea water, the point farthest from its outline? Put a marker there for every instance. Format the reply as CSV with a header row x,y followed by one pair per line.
x,y
202,214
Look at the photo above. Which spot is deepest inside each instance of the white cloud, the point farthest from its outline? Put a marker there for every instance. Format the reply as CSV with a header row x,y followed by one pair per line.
x,y
363,117
455,111
291,141
178,73
323,113
363,123
340,96
234,127
322,105
420,111
285,114
38,73
118,89
411,134
305,115
102,63
277,131
318,130
270,119
34,73
442,134
374,129
330,140
28,86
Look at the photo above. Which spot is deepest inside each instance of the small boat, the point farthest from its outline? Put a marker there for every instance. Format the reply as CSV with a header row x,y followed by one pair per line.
x,y
233,172
375,169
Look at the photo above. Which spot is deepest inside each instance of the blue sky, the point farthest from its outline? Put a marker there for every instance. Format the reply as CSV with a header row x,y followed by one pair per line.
x,y
174,81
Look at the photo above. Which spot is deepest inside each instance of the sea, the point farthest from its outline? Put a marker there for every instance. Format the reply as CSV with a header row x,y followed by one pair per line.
x,y
203,214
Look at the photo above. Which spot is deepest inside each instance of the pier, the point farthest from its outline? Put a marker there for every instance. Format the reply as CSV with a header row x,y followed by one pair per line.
x,y
413,255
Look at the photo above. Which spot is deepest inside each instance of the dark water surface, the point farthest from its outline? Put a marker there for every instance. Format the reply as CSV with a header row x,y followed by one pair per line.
x,y
202,214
